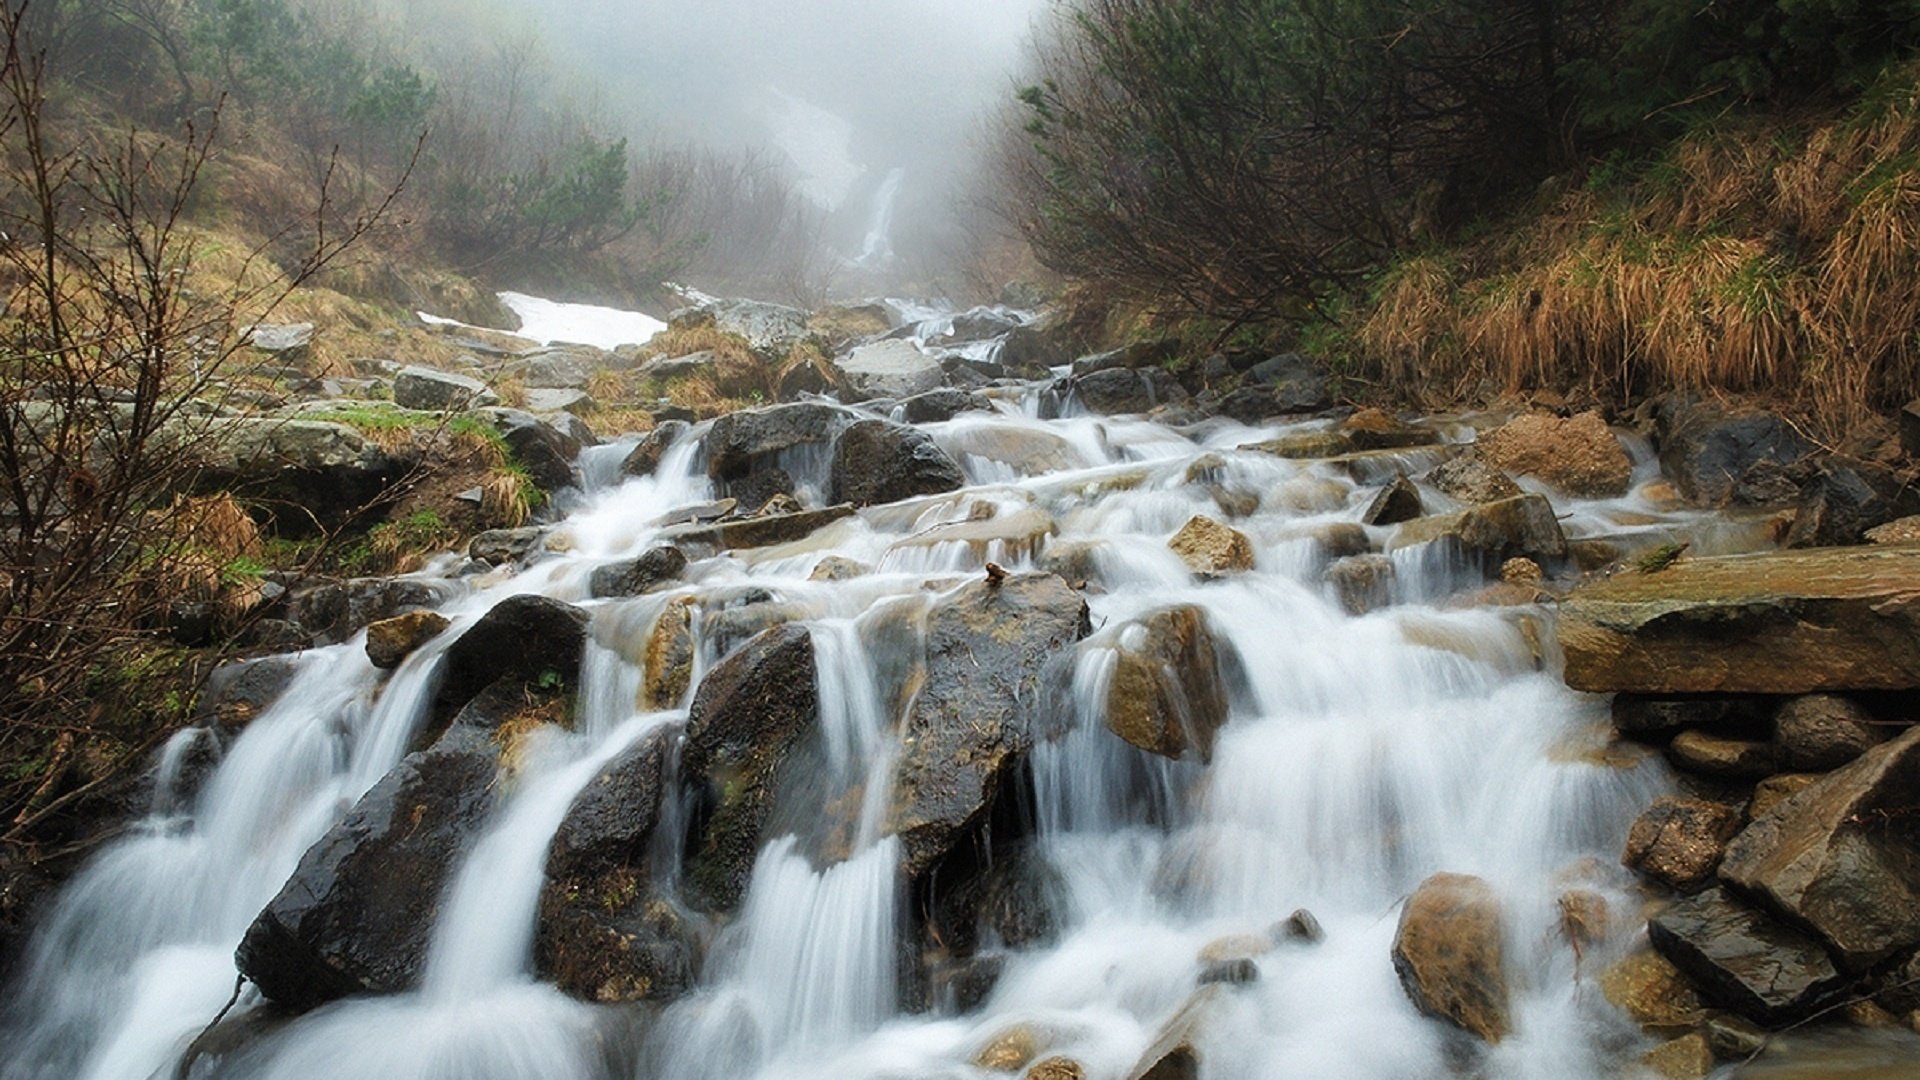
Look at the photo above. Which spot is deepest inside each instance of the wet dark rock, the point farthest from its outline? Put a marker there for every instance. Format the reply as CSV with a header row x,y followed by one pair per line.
x,y
391,641
969,726
330,611
605,933
1448,954
531,638
667,670
239,690
1717,456
1678,841
963,984
631,577
1168,696
747,715
753,532
1303,927
876,462
1818,732
1283,385
546,452
1032,348
1844,498
1015,901
936,406
1723,756
498,547
646,454
1496,531
742,443
1118,390
1644,715
1235,972
1743,960
1397,502
1842,858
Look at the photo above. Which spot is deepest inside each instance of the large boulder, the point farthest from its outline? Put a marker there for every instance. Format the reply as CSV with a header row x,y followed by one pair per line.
x,y
1742,960
546,452
1817,732
357,915
605,933
631,577
986,646
1448,954
1842,858
1397,502
301,475
889,369
562,366
1117,390
770,330
741,444
1031,349
936,406
1776,623
748,714
1678,841
646,454
1717,456
1167,696
1281,385
417,387
1495,531
288,343
1577,455
1846,497
879,462
392,640
528,637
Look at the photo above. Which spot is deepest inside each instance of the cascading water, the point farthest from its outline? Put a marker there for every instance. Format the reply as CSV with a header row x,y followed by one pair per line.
x,y
1361,754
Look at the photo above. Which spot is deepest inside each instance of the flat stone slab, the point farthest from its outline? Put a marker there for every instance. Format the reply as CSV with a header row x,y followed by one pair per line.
x,y
1776,623
754,532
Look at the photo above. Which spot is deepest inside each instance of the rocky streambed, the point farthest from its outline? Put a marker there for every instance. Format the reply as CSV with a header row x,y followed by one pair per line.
x,y
966,718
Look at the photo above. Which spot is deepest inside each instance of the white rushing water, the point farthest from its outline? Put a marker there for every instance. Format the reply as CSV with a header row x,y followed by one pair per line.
x,y
1362,754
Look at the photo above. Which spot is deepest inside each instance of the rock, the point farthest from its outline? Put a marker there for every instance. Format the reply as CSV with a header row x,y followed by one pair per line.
x,y
1056,1068
748,714
1008,536
1447,952
1167,696
604,934
677,367
1716,456
1282,385
753,532
978,324
879,462
1640,715
1210,549
543,450
1733,1038
1495,531
1470,480
1777,623
1722,756
332,611
1028,451
541,401
1373,429
742,443
838,324
1904,530
1397,502
631,577
937,406
667,667
1363,583
1235,972
1846,497
646,454
1303,927
1010,1050
498,547
1685,1058
1585,919
417,387
1150,353
770,330
358,913
1678,841
838,568
288,343
1578,455
239,690
1032,348
1015,901
1174,1053
561,366
389,641
301,476
1118,390
1777,789
1342,539
889,369
1909,420
1818,732
1842,857
528,637
1649,988
1744,961
986,645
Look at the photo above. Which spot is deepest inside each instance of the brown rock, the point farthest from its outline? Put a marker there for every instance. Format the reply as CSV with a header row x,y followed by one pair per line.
x,y
1678,842
1842,857
1722,756
1685,1058
1373,429
1646,986
1210,549
1818,732
1167,695
1447,952
1523,525
762,530
1469,479
667,670
1904,530
1010,1050
390,641
1362,582
838,568
1777,789
1397,502
1521,571
1056,1068
1578,455
1174,1054
1742,959
1584,918
1778,623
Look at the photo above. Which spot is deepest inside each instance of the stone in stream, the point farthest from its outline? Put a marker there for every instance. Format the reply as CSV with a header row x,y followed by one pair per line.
x,y
1649,988
1842,857
1469,479
390,641
1027,451
1496,531
1817,732
1776,623
1010,536
1119,390
1174,1053
763,530
1362,583
605,933
986,646
1168,696
1716,456
1744,960
498,547
1641,715
889,369
1846,497
1397,502
1374,429
936,406
417,387
1685,1058
1056,1068
748,714
645,456
1447,952
875,461
544,451
1678,841
1578,455
357,916
1017,901
1211,549
631,577
742,443
528,637
667,667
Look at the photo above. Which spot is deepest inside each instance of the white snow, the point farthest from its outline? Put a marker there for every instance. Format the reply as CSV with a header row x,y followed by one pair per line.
x,y
550,321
